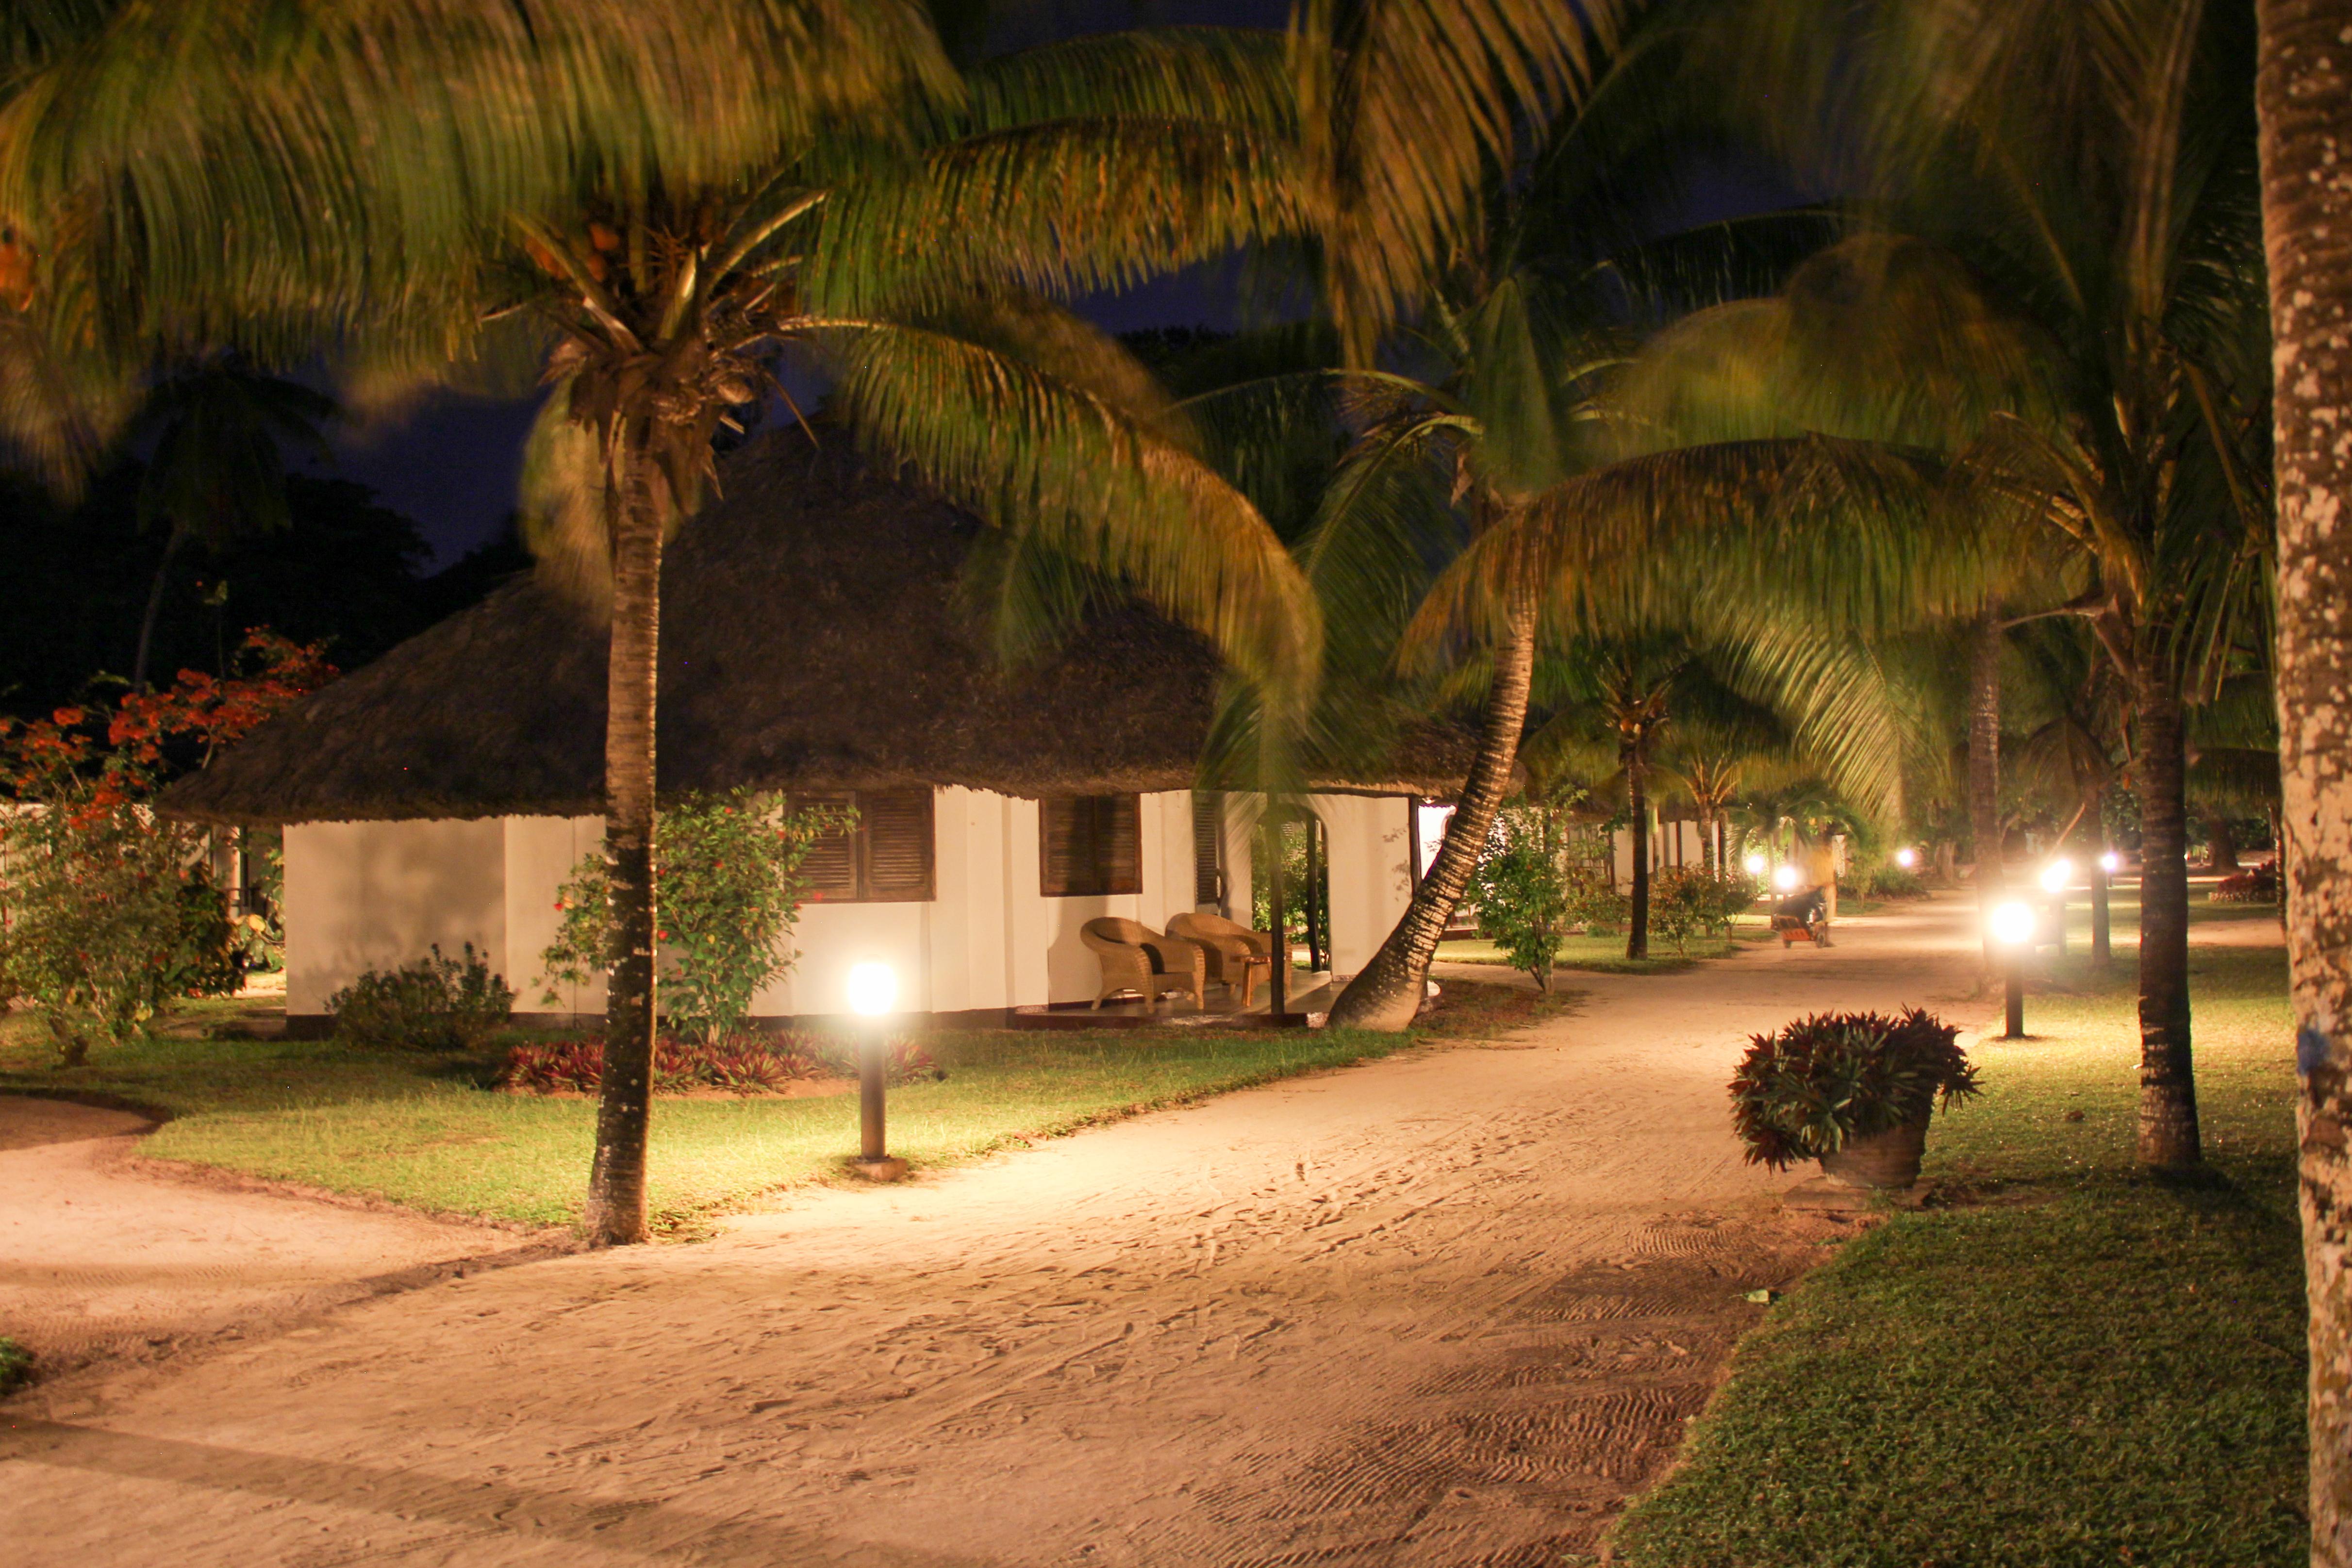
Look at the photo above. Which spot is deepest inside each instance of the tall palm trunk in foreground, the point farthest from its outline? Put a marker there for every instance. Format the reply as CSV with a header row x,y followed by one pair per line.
x,y
1984,769
1388,992
615,1210
1637,801
2304,93
2167,1088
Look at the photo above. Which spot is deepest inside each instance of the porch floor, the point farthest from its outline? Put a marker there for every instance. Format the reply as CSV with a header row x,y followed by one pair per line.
x,y
1310,999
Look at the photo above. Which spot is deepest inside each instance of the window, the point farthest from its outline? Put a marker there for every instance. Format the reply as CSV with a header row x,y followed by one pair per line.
x,y
1208,850
885,859
1089,844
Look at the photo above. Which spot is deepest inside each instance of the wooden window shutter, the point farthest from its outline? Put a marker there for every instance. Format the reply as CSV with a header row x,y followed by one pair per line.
x,y
831,864
897,827
1208,848
1090,845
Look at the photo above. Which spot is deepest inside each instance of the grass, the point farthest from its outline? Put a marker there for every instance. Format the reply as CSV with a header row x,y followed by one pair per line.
x,y
16,1366
1593,955
421,1131
2075,1363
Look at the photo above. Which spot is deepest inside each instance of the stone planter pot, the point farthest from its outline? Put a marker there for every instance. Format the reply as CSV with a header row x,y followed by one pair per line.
x,y
1888,1161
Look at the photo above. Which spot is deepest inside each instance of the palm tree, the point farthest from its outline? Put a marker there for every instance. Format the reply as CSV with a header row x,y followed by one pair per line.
x,y
2090,167
217,474
2304,102
826,183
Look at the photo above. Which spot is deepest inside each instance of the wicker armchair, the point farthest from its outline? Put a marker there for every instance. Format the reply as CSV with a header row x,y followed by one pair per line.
x,y
1235,952
1137,958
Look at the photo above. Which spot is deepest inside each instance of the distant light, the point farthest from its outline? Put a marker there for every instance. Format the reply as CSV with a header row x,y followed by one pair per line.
x,y
2057,874
1906,857
873,989
2111,862
2011,923
1787,878
1755,865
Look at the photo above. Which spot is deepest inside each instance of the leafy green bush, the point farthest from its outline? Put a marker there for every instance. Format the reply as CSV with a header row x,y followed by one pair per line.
x,y
16,1366
1522,895
2256,884
1824,1080
727,869
1893,881
433,1004
1600,909
1687,901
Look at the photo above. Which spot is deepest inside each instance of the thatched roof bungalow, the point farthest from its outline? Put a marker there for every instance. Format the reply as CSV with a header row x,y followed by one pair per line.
x,y
814,640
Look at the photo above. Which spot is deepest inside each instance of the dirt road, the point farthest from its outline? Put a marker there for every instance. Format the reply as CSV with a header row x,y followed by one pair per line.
x,y
1449,1308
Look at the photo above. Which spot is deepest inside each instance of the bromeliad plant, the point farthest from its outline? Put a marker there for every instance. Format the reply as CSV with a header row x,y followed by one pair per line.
x,y
731,884
1823,1082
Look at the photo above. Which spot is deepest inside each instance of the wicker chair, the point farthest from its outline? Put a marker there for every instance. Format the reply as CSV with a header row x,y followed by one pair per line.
x,y
1236,954
1137,958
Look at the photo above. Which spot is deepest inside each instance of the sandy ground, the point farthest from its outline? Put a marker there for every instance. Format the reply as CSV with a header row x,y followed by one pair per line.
x,y
100,1258
1448,1308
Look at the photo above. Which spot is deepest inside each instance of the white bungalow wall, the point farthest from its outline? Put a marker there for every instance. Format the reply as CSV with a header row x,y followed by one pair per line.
x,y
363,895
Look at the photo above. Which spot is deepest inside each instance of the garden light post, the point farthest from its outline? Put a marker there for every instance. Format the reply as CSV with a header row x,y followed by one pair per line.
x,y
1906,857
2103,868
1755,865
873,993
2054,878
2011,925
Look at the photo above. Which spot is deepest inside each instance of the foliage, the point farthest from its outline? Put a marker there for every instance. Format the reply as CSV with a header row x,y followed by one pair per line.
x,y
750,1064
1599,908
1520,893
2256,884
1893,881
434,1004
16,1366
907,1063
106,912
728,871
1689,901
1824,1080
1297,893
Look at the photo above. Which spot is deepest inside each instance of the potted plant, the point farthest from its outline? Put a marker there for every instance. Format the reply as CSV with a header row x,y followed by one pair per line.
x,y
1851,1090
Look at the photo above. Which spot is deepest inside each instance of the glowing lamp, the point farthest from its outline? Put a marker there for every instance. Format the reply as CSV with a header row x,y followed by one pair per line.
x,y
2057,874
1755,865
873,989
1906,857
2111,862
1786,878
2011,923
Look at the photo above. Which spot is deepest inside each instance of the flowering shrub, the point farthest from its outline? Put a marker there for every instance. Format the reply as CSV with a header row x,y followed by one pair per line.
x,y
1687,901
728,881
741,1063
433,1004
1824,1080
107,913
1601,910
2256,884
907,1063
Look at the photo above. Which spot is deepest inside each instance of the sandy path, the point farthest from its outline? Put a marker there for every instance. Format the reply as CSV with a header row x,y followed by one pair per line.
x,y
98,1258
1447,1307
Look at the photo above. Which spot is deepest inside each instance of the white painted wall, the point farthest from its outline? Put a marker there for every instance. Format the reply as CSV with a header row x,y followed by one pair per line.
x,y
363,895
1368,839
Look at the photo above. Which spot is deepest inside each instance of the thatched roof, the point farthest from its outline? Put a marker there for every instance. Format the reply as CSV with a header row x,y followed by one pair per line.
x,y
812,638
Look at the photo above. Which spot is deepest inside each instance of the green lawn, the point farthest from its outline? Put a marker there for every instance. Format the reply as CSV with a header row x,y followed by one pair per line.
x,y
2074,1363
1598,954
421,1131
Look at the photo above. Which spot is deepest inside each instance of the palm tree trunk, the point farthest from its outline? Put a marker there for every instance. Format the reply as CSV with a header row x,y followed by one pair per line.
x,y
1637,922
2222,844
1388,992
2303,95
138,660
1984,771
616,1213
2168,1090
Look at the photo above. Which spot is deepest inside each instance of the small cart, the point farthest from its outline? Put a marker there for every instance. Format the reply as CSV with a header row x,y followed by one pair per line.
x,y
1802,917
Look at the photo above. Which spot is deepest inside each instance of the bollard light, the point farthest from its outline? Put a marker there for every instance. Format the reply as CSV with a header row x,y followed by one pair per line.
x,y
1756,864
1786,878
2011,923
1906,857
2057,874
873,994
